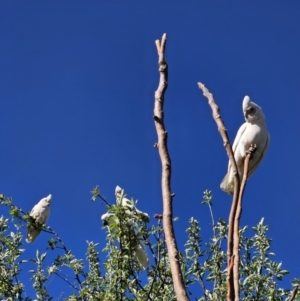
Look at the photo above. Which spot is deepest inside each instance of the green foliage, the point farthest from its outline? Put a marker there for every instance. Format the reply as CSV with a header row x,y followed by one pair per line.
x,y
120,277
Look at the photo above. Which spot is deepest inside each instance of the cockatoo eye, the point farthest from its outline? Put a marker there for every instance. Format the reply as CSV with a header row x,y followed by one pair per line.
x,y
251,111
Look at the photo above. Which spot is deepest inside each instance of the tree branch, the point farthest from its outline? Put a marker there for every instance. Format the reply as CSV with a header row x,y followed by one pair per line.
x,y
223,132
294,293
236,239
166,172
230,282
65,249
157,262
64,279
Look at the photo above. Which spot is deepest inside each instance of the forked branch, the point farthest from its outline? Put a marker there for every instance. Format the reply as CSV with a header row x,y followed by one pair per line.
x,y
162,147
223,132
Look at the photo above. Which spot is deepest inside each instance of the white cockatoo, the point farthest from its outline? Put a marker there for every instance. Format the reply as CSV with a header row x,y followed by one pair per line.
x,y
253,131
119,192
40,213
139,249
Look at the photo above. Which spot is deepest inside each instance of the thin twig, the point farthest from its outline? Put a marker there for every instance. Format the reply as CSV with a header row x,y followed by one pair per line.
x,y
57,274
200,279
17,281
160,239
104,200
65,249
201,282
236,179
173,253
131,265
212,219
157,261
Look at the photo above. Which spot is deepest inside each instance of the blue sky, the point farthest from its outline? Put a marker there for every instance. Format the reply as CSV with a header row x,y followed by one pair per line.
x,y
77,97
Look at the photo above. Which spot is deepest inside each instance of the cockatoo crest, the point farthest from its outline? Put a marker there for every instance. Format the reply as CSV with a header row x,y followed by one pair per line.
x,y
252,111
121,199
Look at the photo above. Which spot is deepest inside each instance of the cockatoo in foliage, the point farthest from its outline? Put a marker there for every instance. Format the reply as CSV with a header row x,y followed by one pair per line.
x,y
139,250
119,192
253,131
40,213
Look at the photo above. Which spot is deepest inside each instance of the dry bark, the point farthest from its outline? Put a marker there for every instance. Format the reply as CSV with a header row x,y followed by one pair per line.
x,y
162,147
238,213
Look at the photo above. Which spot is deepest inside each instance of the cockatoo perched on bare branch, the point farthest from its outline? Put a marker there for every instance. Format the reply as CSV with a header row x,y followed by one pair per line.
x,y
253,131
139,249
40,213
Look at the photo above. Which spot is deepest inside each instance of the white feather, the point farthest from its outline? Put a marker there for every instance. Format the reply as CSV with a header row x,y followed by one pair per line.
x,y
40,213
253,131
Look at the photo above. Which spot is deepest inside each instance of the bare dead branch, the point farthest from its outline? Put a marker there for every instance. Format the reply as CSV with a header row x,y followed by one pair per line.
x,y
161,145
236,238
230,283
294,293
223,132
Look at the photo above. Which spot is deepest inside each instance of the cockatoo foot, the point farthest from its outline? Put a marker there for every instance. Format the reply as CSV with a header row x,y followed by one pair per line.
x,y
251,149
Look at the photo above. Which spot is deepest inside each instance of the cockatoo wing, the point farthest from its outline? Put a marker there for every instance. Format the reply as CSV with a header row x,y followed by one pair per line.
x,y
256,159
238,137
227,182
145,217
32,234
140,251
40,213
132,208
141,256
